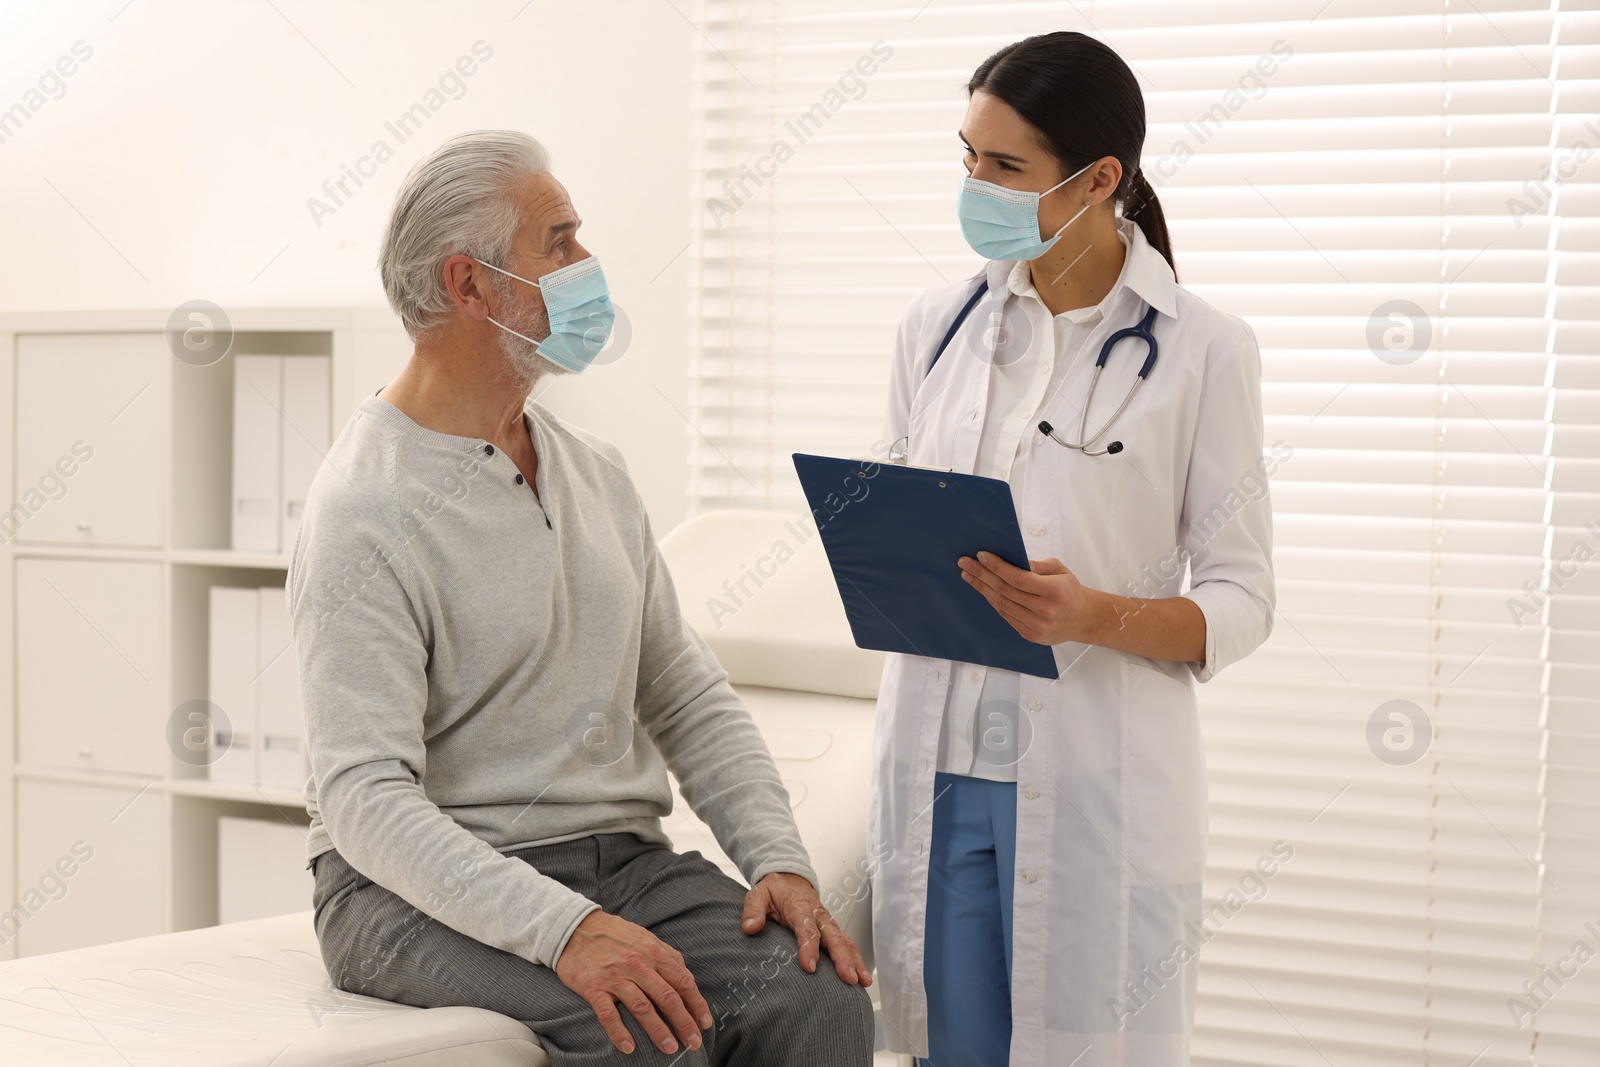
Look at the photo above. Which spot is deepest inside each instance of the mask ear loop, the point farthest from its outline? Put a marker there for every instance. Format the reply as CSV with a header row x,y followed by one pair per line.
x,y
497,322
536,285
1087,204
1054,187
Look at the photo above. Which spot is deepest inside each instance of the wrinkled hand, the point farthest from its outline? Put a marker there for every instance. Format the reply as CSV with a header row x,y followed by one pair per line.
x,y
1047,605
608,959
793,901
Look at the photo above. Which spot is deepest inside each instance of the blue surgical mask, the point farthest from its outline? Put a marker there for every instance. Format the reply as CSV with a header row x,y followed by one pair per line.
x,y
578,304
1001,223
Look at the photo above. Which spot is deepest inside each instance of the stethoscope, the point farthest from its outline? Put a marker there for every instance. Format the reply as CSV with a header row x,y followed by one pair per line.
x,y
1141,331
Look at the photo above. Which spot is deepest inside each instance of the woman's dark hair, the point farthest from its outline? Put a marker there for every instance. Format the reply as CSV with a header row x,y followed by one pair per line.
x,y
1085,103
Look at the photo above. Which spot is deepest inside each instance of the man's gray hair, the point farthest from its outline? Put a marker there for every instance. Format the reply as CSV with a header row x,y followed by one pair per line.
x,y
458,201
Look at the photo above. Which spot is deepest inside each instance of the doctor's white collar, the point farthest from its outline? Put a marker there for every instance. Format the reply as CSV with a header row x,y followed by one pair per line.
x,y
1144,270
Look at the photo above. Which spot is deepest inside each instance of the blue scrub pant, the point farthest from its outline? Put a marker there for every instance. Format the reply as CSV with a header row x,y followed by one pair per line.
x,y
967,972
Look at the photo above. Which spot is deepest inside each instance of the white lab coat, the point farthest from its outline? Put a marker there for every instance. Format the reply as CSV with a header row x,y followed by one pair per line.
x,y
1111,789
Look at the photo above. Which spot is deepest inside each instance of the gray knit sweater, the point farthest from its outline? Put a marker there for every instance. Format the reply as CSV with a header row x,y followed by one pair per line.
x,y
485,669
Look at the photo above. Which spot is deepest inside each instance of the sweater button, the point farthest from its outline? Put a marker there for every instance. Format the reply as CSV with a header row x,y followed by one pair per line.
x,y
519,479
488,450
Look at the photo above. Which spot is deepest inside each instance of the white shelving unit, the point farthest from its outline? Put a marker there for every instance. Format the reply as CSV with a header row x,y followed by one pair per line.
x,y
103,606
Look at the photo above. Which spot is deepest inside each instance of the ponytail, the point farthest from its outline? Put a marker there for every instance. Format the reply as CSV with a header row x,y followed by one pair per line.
x,y
1086,104
1142,206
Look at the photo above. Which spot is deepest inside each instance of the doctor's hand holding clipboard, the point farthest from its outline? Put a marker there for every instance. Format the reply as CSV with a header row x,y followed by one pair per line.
x,y
1038,828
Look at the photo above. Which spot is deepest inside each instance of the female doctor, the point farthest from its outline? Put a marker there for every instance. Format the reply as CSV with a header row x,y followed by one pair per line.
x,y
1038,844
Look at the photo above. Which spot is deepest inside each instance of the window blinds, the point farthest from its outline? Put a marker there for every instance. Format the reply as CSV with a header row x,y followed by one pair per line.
x,y
1569,222
1403,199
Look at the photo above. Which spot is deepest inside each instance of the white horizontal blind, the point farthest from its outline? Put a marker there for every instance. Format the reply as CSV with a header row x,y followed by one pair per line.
x,y
1568,1019
1400,197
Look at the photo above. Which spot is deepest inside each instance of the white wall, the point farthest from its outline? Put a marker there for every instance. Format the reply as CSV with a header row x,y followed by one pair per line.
x,y
177,160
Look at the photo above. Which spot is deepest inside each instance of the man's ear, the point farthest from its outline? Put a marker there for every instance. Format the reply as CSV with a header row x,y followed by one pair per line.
x,y
466,280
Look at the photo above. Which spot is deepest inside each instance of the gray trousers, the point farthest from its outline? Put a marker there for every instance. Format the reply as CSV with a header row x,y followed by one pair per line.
x,y
766,1011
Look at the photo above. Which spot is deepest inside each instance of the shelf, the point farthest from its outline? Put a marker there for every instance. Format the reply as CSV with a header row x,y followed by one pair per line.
x,y
199,788
173,472
227,557
189,557
23,550
193,557
205,789
155,320
41,772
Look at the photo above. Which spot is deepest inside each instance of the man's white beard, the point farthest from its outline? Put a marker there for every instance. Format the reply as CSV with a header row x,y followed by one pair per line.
x,y
523,360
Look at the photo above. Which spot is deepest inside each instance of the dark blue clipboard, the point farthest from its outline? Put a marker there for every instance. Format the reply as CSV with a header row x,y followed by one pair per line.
x,y
893,534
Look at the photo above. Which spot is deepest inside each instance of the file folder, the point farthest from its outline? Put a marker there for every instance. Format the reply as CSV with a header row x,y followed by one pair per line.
x,y
233,685
304,437
255,680
281,758
257,444
893,534
280,434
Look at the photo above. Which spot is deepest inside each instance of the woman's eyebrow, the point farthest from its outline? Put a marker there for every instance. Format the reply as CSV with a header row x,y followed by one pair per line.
x,y
991,155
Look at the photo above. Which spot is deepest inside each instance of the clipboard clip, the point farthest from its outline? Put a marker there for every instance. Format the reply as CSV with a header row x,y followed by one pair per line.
x,y
899,454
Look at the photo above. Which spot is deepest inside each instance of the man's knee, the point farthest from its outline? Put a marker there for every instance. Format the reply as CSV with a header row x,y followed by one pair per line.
x,y
843,1012
779,1006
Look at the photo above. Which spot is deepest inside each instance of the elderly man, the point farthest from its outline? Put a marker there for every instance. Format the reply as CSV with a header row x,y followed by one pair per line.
x,y
497,679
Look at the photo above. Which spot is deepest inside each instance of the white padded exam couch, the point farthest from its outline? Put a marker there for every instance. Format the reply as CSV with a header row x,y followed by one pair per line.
x,y
255,994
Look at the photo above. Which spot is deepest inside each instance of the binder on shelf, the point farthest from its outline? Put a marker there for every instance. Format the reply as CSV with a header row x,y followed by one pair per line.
x,y
257,444
231,688
255,680
282,760
304,439
280,434
261,869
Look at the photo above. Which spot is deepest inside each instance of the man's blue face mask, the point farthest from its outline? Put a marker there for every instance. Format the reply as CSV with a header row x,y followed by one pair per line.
x,y
1001,223
577,302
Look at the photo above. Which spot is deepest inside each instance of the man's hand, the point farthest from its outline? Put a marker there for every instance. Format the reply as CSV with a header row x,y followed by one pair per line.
x,y
608,959
793,901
